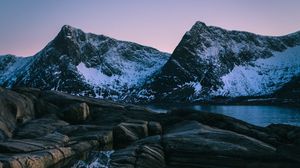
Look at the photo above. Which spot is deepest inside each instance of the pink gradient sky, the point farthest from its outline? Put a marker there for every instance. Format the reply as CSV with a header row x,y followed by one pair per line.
x,y
27,26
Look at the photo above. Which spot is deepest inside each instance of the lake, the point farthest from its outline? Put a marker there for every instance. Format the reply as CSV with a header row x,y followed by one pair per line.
x,y
257,115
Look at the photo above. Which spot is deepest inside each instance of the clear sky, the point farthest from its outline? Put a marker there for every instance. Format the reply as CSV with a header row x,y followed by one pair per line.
x,y
26,26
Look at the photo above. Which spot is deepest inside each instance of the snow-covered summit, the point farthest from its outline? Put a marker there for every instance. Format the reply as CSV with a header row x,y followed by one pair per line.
x,y
225,64
86,64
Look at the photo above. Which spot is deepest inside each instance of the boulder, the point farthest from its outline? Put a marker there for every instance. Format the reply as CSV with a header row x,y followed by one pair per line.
x,y
14,109
76,113
128,132
145,153
124,158
154,128
150,156
150,153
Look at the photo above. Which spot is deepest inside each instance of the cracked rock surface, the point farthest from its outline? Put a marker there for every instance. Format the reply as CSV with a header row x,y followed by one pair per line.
x,y
40,129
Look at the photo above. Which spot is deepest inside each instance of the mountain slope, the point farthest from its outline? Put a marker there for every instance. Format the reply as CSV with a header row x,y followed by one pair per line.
x,y
211,62
11,66
85,64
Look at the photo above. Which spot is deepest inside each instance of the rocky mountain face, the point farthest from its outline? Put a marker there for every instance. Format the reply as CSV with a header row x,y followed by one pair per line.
x,y
84,64
210,64
10,67
213,63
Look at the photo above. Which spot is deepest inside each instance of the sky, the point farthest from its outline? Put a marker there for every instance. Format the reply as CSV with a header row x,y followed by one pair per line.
x,y
26,26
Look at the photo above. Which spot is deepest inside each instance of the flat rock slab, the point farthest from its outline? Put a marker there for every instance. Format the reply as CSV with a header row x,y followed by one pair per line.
x,y
39,159
30,145
39,127
191,144
19,147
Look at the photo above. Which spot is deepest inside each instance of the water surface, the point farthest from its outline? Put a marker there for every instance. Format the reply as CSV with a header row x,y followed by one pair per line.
x,y
257,115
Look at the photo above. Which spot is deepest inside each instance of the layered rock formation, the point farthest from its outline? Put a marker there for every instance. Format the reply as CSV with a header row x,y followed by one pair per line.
x,y
53,129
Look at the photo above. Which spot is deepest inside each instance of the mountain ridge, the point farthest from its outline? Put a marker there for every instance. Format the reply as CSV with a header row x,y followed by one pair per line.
x,y
207,53
208,63
56,66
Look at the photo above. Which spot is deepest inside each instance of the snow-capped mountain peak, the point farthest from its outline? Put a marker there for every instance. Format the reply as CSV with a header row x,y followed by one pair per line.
x,y
208,63
89,64
226,63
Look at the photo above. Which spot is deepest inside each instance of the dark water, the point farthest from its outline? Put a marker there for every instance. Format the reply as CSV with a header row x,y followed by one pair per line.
x,y
257,115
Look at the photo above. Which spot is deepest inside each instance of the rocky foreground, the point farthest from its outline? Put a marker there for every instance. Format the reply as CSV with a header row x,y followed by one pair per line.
x,y
50,129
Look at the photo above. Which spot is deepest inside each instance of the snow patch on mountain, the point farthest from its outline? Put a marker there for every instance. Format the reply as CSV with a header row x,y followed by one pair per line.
x,y
133,73
263,76
129,68
92,75
197,86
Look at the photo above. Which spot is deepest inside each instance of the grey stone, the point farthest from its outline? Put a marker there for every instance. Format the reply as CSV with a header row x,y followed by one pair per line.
x,y
76,113
128,132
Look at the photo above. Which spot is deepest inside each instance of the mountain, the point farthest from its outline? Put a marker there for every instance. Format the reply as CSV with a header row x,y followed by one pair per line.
x,y
11,66
84,64
212,63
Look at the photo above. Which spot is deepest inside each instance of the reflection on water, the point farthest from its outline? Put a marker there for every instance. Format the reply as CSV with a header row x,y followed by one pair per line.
x,y
257,115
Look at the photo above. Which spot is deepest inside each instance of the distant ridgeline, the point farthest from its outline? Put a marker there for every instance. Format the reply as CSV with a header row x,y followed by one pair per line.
x,y
210,64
